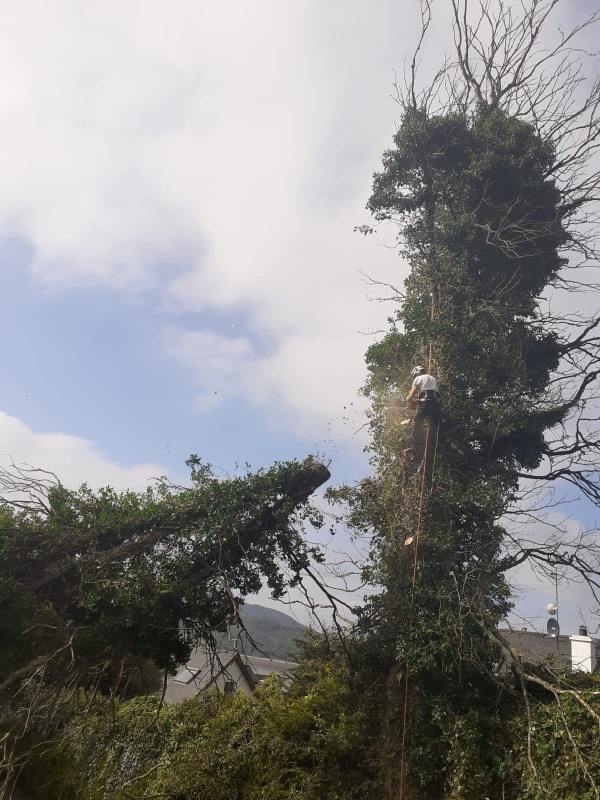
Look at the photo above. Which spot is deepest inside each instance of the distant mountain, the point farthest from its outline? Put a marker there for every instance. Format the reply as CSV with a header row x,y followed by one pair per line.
x,y
273,631
270,614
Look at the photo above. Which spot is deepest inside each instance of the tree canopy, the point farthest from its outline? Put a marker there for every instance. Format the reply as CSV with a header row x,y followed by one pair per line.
x,y
96,583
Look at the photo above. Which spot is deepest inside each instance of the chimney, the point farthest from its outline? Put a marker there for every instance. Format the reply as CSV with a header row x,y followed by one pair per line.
x,y
583,651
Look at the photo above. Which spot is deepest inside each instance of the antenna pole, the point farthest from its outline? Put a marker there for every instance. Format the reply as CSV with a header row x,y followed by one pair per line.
x,y
556,604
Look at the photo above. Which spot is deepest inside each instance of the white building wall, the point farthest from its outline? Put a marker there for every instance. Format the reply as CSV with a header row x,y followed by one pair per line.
x,y
583,653
235,674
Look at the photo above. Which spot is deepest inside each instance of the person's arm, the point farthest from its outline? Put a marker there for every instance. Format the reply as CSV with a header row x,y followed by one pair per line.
x,y
412,395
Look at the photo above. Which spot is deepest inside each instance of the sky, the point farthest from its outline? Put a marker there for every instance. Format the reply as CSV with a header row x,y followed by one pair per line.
x,y
179,188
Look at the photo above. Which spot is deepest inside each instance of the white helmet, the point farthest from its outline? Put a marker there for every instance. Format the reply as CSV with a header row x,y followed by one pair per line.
x,y
418,371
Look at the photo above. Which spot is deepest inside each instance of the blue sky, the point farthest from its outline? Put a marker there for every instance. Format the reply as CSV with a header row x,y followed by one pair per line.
x,y
179,185
94,364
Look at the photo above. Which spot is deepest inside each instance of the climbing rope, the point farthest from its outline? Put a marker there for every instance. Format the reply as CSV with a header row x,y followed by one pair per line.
x,y
410,619
415,565
437,439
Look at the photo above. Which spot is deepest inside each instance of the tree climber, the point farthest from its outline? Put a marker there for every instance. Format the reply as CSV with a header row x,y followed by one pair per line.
x,y
425,394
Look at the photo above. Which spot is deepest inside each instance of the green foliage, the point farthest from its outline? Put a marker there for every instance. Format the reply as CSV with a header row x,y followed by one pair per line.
x,y
482,227
119,572
275,745
554,751
323,739
98,589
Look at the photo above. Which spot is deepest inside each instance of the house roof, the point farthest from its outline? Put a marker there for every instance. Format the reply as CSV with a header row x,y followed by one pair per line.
x,y
539,648
263,667
205,667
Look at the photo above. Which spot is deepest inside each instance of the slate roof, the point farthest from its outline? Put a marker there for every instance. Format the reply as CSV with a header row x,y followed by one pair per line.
x,y
539,648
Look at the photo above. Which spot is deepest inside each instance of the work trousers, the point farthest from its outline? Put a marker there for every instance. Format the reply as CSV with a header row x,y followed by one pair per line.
x,y
427,415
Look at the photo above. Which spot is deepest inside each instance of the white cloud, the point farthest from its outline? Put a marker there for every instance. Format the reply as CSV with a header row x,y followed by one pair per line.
x,y
72,459
219,154
221,366
305,379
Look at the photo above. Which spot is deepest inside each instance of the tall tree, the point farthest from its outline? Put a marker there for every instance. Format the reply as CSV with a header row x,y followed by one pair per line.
x,y
490,184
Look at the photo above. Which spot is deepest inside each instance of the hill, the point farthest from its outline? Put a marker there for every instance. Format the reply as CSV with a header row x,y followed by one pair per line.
x,y
273,631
